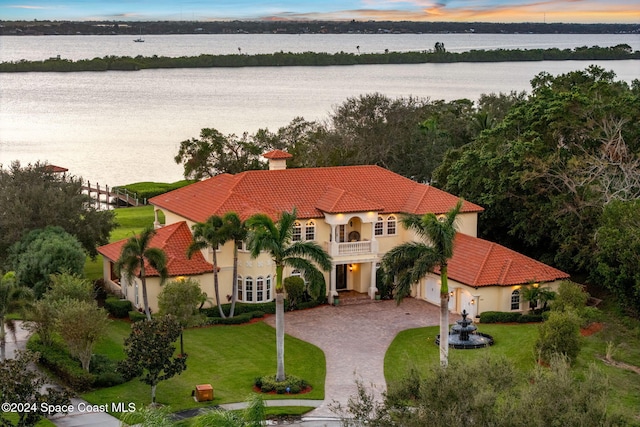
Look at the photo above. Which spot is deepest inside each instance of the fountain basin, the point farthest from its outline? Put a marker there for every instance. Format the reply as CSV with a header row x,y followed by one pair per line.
x,y
464,335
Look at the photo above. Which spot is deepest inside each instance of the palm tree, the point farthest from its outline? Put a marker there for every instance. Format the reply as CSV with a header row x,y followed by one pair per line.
x,y
234,229
135,255
13,298
411,261
275,238
209,234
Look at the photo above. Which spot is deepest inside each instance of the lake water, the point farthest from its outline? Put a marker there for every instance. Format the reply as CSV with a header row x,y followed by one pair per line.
x,y
121,127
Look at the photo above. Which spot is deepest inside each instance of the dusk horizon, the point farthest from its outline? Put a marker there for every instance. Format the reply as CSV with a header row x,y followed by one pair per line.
x,y
497,11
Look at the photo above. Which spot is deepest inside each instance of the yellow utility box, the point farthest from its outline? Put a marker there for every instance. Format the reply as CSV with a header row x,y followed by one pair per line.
x,y
204,392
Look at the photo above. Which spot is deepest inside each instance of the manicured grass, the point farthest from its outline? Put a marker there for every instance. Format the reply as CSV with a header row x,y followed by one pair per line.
x,y
130,221
416,348
227,357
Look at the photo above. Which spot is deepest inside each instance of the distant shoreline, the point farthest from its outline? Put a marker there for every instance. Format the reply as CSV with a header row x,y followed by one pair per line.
x,y
289,59
303,27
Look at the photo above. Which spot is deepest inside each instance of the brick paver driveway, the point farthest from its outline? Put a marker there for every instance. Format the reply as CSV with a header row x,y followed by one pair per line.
x,y
354,339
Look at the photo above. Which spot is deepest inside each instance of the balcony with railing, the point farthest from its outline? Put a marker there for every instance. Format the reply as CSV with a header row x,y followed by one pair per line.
x,y
363,247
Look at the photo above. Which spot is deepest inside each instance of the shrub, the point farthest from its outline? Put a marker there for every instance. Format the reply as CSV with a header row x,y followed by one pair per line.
x,y
530,318
104,370
136,316
570,296
295,290
55,358
291,384
235,320
559,335
118,308
241,308
499,317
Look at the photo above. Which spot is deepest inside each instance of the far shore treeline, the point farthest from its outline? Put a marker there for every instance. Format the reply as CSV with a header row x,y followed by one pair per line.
x,y
280,59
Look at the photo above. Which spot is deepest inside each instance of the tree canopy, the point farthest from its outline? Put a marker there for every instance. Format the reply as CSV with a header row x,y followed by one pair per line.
x,y
42,253
33,197
546,171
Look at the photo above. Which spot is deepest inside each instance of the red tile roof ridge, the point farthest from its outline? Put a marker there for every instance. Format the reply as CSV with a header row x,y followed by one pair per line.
x,y
484,262
505,271
277,155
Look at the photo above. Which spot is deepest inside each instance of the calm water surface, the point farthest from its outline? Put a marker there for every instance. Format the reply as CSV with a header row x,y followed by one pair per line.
x,y
121,127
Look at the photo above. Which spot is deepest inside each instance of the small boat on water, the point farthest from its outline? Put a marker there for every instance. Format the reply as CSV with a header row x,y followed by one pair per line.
x,y
139,39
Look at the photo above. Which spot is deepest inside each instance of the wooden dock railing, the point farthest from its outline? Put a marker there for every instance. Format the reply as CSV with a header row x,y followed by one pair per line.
x,y
121,197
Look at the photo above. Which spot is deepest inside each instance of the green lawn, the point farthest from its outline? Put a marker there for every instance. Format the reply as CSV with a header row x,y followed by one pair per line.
x,y
416,348
130,221
227,357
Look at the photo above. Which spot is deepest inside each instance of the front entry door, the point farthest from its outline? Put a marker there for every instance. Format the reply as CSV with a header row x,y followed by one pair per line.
x,y
341,277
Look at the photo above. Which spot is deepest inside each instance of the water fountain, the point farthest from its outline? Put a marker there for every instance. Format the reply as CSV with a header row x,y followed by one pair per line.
x,y
464,335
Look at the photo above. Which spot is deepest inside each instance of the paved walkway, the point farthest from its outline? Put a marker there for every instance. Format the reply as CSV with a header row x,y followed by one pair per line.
x,y
355,339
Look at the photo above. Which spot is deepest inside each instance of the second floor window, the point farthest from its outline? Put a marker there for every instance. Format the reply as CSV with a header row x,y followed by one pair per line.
x,y
297,231
379,227
391,225
310,230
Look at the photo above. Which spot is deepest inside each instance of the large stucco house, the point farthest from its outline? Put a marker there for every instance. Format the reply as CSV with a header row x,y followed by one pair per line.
x,y
353,212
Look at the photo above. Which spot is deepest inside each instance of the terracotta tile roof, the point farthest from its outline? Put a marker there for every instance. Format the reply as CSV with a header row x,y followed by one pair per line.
x,y
311,191
336,200
174,239
477,262
277,155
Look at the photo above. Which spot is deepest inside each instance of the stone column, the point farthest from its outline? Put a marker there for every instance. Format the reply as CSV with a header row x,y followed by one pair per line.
x,y
332,284
372,286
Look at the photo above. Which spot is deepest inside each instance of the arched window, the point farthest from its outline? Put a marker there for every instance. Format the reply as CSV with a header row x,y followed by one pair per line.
x,y
379,227
137,297
391,225
515,300
259,289
297,231
248,289
240,283
310,230
268,288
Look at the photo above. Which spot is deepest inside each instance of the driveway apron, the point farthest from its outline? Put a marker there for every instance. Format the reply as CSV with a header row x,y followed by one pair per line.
x,y
355,339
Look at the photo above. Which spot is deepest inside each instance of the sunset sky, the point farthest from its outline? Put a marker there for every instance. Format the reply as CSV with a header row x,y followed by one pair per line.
x,y
573,11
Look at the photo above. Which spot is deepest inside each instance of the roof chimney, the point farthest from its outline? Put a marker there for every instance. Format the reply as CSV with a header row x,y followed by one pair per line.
x,y
277,159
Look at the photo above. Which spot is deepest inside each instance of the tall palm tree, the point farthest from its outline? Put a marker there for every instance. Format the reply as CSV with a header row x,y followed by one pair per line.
x,y
135,256
210,234
275,238
13,298
411,261
234,229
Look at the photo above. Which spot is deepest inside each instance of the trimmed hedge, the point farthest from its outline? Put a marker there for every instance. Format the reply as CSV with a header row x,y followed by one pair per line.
x,y
291,384
235,320
56,358
509,317
136,316
118,308
265,307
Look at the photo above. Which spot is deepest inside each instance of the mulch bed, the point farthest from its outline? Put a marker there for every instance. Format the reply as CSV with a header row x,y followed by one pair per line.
x,y
591,329
303,391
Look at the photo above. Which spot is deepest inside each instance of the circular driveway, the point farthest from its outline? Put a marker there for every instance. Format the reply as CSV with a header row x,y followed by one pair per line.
x,y
354,339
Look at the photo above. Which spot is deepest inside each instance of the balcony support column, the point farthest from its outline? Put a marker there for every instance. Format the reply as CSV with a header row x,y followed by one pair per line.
x,y
332,284
372,286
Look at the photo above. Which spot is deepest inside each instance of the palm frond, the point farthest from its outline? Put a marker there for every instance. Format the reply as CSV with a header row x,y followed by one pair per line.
x,y
311,251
